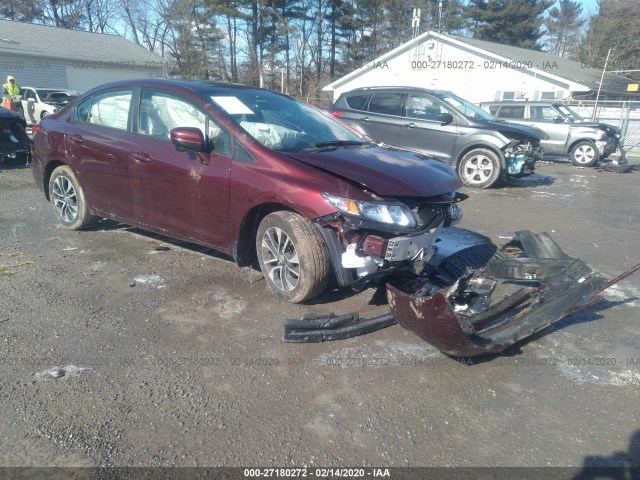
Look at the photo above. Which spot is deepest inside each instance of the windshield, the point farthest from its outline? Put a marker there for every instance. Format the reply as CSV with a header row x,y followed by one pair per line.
x,y
573,116
284,124
43,92
60,98
467,109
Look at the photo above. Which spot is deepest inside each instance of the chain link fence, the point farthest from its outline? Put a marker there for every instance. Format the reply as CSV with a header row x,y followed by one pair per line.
x,y
622,114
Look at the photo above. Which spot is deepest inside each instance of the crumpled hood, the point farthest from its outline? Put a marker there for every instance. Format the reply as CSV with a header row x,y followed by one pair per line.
x,y
508,127
385,170
612,129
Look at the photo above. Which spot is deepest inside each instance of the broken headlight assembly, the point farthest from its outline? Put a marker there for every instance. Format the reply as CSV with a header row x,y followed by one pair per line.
x,y
389,214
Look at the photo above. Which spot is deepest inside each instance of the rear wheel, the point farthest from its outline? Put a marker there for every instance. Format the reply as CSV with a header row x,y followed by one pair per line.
x,y
44,115
480,168
292,255
68,199
584,154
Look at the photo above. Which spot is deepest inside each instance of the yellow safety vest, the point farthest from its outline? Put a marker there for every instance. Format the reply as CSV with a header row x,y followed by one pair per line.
x,y
12,89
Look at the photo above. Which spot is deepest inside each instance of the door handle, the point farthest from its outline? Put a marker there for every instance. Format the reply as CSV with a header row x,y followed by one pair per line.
x,y
410,125
140,157
365,119
75,138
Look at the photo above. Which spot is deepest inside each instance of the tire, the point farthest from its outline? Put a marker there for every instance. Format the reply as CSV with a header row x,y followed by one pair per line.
x,y
68,199
480,168
43,115
584,154
292,256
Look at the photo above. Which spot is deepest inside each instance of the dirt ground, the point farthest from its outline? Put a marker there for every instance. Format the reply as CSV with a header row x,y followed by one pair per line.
x,y
173,356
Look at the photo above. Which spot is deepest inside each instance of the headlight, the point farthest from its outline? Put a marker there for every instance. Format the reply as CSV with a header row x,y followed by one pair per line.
x,y
388,213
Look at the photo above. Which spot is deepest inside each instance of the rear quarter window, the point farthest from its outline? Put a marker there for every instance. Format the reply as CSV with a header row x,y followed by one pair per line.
x,y
357,102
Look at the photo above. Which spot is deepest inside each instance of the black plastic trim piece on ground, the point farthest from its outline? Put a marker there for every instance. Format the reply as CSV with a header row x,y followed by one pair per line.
x,y
329,326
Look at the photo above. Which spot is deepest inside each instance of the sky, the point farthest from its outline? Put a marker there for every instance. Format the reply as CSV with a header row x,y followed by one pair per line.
x,y
589,6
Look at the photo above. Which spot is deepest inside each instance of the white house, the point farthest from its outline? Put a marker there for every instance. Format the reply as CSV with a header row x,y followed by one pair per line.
x,y
43,56
481,71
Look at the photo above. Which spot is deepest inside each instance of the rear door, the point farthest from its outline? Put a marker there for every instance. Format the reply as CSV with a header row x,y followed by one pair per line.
x,y
382,120
421,130
542,117
97,143
179,192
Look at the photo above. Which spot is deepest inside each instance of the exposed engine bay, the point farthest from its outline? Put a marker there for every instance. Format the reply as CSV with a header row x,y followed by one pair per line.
x,y
521,157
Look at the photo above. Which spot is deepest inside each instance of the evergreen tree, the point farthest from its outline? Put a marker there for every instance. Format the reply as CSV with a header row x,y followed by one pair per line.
x,y
616,26
510,22
563,27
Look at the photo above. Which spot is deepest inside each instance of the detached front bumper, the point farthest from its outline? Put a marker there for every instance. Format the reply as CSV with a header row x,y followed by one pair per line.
x,y
467,306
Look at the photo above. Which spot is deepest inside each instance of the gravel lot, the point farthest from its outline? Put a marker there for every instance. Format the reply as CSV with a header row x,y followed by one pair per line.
x,y
172,356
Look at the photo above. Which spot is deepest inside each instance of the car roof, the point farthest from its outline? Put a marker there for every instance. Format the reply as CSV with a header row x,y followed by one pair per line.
x,y
521,102
396,88
196,86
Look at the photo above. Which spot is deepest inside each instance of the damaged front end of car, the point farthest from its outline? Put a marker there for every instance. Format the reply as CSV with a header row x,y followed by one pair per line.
x,y
369,241
475,299
15,144
521,156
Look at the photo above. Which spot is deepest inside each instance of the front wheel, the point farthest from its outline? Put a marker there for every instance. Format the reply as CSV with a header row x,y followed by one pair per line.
x,y
480,168
584,154
68,199
292,255
44,115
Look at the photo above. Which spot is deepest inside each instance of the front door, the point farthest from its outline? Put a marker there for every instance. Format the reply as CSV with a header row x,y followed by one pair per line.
x,y
423,131
183,193
542,117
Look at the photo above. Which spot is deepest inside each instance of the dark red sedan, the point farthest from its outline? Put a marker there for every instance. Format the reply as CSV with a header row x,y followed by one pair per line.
x,y
250,172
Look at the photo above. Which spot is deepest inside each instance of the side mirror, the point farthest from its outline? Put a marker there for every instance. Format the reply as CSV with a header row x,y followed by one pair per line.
x,y
558,119
188,138
445,118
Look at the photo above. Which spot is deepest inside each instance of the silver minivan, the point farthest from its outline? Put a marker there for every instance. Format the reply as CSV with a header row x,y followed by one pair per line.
x,y
585,142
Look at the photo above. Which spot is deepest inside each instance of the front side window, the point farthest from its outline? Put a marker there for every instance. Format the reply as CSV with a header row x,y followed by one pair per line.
x,y
110,109
160,113
386,103
541,113
422,107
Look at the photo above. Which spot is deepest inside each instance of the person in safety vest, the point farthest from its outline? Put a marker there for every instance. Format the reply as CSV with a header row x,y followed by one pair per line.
x,y
11,88
11,95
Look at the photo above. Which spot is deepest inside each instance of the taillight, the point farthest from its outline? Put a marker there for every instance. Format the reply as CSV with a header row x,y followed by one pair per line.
x,y
336,113
35,128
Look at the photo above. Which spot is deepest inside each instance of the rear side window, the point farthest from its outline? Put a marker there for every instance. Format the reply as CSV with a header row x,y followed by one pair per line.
x,y
511,111
110,109
386,103
357,102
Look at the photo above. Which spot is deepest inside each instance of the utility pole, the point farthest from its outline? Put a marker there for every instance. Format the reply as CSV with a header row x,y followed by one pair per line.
x,y
595,105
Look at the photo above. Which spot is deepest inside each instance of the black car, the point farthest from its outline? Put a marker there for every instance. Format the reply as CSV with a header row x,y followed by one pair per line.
x,y
15,145
482,149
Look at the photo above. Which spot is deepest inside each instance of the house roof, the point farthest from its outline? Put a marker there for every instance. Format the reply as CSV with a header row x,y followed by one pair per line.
x,y
553,64
29,39
542,64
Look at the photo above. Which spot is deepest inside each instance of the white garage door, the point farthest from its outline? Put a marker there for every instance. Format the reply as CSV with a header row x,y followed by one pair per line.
x,y
83,79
